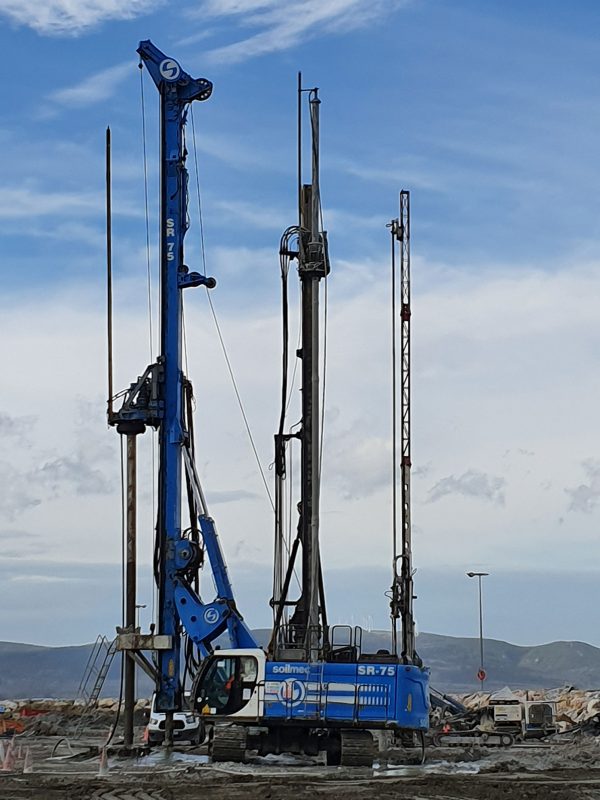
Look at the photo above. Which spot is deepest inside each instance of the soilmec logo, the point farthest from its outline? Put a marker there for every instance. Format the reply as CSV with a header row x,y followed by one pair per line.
x,y
169,69
291,692
211,615
288,669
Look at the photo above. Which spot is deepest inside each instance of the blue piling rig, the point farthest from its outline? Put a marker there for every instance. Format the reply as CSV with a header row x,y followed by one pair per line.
x,y
158,399
316,688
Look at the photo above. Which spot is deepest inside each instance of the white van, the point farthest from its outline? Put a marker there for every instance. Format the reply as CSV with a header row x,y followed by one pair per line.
x,y
187,726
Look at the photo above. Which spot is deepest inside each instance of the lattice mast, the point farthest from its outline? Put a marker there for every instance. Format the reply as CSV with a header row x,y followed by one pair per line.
x,y
402,593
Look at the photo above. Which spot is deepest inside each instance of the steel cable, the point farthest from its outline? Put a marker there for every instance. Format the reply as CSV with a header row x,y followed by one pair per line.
x,y
150,316
218,327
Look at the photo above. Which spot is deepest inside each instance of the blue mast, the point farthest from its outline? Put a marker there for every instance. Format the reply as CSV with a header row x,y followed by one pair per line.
x,y
161,398
177,89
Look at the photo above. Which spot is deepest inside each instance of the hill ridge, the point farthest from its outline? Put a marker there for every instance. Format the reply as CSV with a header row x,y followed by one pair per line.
x,y
29,670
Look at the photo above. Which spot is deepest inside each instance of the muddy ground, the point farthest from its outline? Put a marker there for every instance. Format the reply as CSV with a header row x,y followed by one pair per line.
x,y
564,770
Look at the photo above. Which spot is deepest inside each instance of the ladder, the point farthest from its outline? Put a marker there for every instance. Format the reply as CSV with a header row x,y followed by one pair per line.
x,y
95,672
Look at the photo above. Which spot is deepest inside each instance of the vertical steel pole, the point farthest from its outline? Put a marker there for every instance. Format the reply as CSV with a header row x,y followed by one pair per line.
x,y
310,610
315,560
309,617
479,575
130,598
299,153
394,602
109,304
481,631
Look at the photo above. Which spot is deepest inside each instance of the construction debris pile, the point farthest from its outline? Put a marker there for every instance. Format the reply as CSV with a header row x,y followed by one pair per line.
x,y
574,707
47,717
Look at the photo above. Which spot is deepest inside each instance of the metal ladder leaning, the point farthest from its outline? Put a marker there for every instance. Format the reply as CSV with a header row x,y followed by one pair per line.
x,y
96,669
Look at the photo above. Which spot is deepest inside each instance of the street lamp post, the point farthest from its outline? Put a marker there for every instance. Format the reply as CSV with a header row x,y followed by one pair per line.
x,y
481,674
139,606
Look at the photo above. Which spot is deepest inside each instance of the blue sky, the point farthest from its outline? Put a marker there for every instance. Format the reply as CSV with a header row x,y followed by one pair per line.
x,y
483,108
487,112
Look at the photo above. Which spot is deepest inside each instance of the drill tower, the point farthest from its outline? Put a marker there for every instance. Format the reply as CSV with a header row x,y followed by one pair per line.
x,y
304,634
402,592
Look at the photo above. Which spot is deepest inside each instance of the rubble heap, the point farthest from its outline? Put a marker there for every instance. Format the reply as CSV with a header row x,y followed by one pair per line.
x,y
574,706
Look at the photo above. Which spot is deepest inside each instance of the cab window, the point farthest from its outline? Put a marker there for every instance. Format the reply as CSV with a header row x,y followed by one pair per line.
x,y
227,684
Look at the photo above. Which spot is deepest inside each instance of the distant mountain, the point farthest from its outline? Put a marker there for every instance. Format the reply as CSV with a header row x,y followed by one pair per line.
x,y
454,663
34,671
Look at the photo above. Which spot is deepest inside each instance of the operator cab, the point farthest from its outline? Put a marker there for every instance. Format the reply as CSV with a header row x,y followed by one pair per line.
x,y
228,683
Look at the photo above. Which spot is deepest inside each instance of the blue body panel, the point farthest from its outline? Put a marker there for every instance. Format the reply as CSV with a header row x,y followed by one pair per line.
x,y
363,694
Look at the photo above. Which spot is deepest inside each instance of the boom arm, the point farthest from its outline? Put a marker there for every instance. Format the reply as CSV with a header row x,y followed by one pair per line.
x,y
204,622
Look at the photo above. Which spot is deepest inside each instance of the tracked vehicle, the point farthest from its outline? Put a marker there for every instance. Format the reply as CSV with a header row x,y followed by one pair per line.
x,y
313,689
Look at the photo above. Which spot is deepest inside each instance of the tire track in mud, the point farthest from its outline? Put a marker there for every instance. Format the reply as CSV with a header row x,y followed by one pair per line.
x,y
126,794
194,787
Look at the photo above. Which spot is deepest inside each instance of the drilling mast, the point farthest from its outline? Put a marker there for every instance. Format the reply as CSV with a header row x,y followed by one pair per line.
x,y
306,634
162,398
315,688
402,592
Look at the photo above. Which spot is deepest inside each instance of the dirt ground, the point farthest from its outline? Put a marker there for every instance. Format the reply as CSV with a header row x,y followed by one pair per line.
x,y
567,770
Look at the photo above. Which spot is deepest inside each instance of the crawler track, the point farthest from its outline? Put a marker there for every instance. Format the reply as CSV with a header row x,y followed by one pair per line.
x,y
228,743
357,749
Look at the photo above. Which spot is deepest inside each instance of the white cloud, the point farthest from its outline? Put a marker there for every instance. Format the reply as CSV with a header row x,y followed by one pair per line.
x,y
33,578
407,171
357,466
18,494
586,496
485,354
20,545
59,17
72,231
229,496
231,263
17,202
225,7
285,23
17,428
249,214
33,476
25,202
94,89
74,471
472,483
241,152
